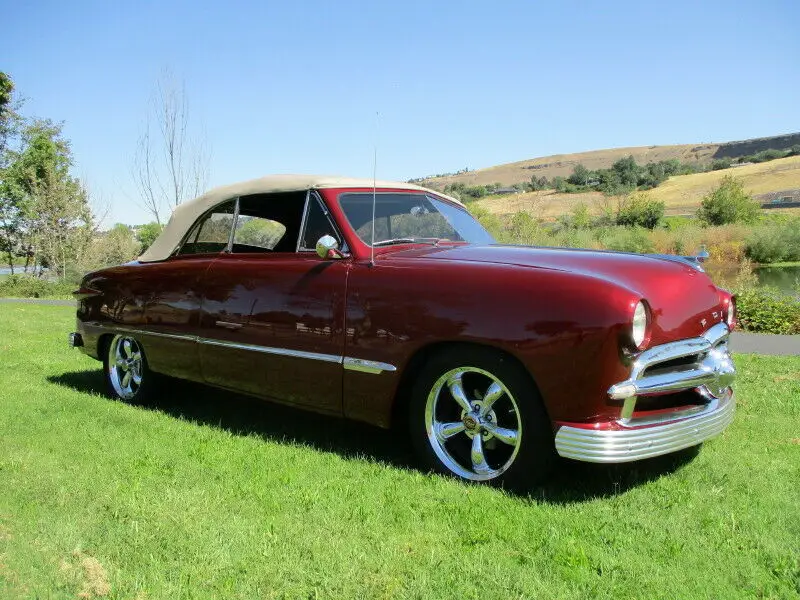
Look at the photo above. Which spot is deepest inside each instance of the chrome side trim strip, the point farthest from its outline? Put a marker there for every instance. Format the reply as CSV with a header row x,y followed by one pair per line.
x,y
629,444
174,336
366,366
349,363
270,350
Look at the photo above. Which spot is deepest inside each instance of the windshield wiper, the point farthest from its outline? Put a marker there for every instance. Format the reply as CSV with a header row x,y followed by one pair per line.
x,y
431,240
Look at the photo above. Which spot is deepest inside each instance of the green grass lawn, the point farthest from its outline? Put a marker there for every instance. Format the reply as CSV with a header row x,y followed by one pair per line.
x,y
209,495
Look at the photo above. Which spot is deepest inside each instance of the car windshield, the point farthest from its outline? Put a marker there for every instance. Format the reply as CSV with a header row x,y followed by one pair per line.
x,y
402,218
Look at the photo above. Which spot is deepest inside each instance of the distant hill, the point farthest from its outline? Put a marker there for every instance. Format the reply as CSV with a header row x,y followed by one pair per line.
x,y
563,164
681,194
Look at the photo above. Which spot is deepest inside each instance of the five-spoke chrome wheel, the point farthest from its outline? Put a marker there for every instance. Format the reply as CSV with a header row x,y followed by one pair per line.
x,y
473,423
125,366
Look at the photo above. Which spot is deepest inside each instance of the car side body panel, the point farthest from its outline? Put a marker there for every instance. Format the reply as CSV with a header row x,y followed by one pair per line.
x,y
273,325
568,338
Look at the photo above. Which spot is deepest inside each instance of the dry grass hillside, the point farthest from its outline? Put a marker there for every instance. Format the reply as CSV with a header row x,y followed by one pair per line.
x,y
686,191
563,164
681,194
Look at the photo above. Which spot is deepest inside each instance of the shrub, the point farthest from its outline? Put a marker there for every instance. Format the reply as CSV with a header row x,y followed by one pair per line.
x,y
28,286
675,222
725,244
639,210
767,310
581,219
764,309
775,243
490,221
721,163
524,229
765,245
627,239
577,238
729,203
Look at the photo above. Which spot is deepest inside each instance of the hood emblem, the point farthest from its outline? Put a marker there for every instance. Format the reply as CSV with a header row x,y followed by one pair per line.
x,y
702,322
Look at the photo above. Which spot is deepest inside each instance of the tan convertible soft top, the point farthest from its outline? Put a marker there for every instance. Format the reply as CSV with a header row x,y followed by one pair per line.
x,y
185,215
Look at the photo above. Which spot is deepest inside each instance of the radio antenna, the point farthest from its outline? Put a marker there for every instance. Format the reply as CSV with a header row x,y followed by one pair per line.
x,y
374,194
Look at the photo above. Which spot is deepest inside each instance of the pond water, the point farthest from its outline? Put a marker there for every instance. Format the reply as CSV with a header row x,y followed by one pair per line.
x,y
786,279
7,271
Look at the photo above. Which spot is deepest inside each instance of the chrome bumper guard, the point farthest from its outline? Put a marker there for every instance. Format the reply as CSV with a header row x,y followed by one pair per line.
x,y
75,340
629,444
702,363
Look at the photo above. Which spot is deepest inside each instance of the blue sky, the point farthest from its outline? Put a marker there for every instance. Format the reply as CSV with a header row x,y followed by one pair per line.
x,y
293,87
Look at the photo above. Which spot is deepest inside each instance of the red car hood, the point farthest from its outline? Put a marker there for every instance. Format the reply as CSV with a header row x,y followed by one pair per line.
x,y
684,300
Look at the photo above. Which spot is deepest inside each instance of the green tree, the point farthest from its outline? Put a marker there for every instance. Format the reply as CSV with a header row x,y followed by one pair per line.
x,y
11,208
539,183
729,203
52,207
559,184
628,171
580,175
117,246
147,234
8,116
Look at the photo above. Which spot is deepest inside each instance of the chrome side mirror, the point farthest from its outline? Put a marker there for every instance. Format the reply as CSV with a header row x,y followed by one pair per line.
x,y
328,247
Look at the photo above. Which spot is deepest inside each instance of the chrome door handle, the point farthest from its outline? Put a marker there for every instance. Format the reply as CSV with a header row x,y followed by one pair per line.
x,y
229,325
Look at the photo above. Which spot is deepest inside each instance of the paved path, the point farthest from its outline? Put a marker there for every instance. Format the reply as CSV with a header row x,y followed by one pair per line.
x,y
765,343
756,343
38,301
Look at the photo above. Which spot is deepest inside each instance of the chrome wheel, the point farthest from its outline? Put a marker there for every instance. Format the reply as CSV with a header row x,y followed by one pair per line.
x,y
125,366
473,423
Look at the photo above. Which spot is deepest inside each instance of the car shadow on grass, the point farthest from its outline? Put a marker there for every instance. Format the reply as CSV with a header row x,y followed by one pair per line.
x,y
572,481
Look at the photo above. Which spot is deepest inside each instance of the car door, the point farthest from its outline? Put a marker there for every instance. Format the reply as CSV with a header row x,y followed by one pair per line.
x,y
168,294
272,314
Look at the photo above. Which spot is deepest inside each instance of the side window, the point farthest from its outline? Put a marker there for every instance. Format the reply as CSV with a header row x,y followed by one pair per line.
x,y
212,232
269,222
256,234
318,223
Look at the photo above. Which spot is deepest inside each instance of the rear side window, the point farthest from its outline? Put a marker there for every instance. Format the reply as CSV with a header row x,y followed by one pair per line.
x,y
211,234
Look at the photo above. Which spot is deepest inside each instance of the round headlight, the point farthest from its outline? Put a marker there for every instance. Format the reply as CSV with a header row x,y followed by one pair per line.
x,y
731,319
640,325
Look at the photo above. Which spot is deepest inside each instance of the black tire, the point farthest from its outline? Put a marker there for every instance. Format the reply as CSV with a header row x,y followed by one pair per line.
x,y
507,413
127,375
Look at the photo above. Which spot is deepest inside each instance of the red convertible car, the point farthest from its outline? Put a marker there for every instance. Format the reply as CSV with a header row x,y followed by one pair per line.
x,y
390,304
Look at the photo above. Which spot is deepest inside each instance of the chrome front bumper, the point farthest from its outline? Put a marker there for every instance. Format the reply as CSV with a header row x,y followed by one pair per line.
x,y
627,444
702,364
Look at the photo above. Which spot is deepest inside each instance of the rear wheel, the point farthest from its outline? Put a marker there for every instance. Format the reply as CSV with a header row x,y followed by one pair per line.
x,y
476,414
127,375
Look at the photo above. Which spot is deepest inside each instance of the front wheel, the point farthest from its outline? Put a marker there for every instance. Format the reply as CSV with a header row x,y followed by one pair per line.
x,y
127,375
476,414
